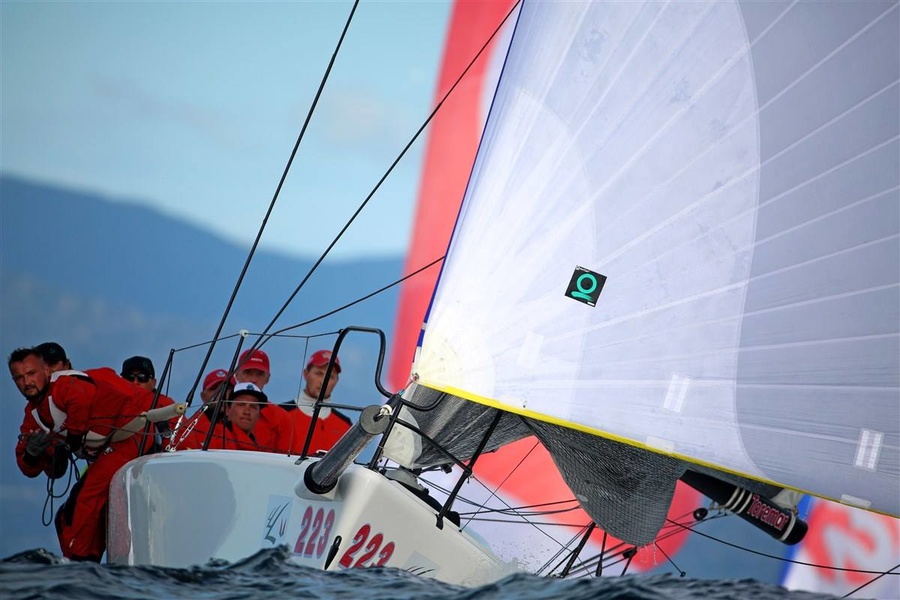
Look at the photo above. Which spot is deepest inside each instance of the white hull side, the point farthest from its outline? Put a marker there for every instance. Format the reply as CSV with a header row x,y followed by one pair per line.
x,y
185,508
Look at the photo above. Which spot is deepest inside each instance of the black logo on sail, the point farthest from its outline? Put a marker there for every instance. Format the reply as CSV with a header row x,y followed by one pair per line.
x,y
585,286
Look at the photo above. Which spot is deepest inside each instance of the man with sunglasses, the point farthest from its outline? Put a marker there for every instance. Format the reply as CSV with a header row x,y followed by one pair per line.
x,y
139,371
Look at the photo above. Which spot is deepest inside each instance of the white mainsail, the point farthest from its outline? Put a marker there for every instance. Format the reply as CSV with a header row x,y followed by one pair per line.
x,y
732,170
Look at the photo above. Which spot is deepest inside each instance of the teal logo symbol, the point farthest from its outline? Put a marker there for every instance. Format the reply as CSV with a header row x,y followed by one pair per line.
x,y
585,286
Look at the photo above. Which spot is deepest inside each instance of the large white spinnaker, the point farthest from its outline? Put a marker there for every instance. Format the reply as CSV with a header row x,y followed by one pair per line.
x,y
731,170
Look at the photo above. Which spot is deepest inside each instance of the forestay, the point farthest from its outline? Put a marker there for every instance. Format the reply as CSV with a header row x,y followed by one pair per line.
x,y
732,170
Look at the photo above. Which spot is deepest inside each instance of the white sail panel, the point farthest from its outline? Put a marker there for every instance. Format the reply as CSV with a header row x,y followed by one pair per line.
x,y
731,169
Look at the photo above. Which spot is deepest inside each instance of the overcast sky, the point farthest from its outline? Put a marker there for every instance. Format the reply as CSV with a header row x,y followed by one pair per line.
x,y
194,107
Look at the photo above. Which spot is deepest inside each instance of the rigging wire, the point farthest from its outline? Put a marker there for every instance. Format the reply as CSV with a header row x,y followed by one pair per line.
x,y
283,332
673,527
477,515
493,494
873,580
669,558
380,290
582,533
520,509
260,342
265,336
619,550
296,337
508,507
265,220
510,474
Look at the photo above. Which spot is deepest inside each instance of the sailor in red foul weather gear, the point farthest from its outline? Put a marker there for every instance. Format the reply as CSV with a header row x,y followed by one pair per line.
x,y
82,409
273,427
235,424
330,424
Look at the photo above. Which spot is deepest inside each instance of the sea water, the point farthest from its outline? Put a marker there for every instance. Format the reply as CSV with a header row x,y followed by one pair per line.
x,y
269,575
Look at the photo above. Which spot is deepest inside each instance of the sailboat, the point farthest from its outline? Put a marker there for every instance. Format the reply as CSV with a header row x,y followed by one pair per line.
x,y
677,259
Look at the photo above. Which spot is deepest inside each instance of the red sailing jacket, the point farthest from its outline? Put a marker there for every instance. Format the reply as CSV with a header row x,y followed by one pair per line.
x,y
65,407
327,432
123,399
225,436
95,400
273,428
54,460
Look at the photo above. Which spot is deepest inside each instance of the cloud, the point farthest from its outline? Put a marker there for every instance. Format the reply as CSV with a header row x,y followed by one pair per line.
x,y
155,110
367,123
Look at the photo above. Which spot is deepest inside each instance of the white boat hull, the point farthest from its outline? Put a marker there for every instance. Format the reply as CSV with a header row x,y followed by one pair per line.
x,y
185,508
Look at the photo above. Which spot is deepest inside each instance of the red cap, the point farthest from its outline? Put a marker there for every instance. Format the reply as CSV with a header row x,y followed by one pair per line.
x,y
257,360
320,358
214,378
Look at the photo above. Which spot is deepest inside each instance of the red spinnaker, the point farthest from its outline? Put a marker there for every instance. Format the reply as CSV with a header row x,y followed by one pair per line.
x,y
449,154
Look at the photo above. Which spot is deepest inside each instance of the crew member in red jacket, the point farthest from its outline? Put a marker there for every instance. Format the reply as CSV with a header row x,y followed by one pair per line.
x,y
213,384
217,387
234,427
273,429
38,449
69,405
331,424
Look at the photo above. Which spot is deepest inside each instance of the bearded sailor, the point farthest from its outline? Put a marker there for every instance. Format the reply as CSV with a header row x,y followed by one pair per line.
x,y
93,414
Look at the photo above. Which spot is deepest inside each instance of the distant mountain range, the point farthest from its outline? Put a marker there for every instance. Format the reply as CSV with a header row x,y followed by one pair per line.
x,y
109,280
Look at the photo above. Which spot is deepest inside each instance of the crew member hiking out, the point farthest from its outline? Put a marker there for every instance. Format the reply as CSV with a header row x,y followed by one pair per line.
x,y
76,407
38,449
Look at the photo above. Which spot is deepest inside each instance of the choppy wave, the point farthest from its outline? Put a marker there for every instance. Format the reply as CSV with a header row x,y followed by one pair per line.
x,y
270,574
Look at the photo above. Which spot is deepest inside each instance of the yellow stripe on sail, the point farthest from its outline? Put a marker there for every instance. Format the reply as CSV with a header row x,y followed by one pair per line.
x,y
483,400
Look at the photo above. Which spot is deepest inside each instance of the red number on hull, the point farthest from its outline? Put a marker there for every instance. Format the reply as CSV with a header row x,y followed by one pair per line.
x,y
373,548
358,540
326,535
304,530
385,554
317,526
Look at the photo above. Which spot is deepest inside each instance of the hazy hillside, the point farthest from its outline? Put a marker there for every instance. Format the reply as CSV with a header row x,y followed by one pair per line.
x,y
128,271
110,280
132,255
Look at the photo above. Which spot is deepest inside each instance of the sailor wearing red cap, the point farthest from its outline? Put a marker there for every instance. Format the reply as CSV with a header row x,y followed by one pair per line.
x,y
273,427
331,424
213,382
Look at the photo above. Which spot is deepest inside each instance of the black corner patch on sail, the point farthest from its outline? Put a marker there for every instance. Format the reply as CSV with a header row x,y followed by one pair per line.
x,y
585,286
